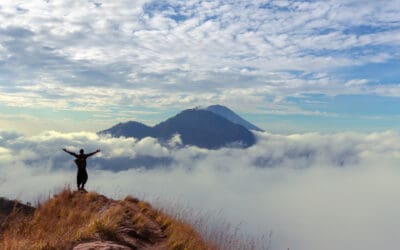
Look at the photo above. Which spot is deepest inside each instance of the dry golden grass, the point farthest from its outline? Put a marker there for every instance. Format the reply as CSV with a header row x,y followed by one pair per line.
x,y
215,231
73,217
55,223
180,236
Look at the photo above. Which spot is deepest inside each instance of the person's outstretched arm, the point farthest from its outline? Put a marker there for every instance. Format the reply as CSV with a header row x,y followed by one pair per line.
x,y
95,152
69,152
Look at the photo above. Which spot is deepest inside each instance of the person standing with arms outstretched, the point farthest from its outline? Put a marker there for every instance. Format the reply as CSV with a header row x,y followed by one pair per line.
x,y
80,161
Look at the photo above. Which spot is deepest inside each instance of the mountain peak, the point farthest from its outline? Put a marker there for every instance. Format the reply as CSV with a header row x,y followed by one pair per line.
x,y
198,127
232,116
205,129
213,127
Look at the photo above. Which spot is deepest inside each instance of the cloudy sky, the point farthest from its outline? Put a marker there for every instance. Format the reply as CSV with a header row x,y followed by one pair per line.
x,y
288,66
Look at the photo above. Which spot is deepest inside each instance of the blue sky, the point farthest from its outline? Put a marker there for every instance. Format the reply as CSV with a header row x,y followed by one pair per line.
x,y
287,66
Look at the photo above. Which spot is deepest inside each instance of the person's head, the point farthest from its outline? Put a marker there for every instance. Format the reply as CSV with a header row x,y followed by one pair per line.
x,y
81,151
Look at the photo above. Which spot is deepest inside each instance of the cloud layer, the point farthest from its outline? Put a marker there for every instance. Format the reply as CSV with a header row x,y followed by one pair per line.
x,y
312,191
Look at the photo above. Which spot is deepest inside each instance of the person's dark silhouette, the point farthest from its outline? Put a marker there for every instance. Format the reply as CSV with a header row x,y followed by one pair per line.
x,y
80,161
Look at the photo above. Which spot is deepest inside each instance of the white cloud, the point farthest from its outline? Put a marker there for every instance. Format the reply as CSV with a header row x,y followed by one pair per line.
x,y
341,187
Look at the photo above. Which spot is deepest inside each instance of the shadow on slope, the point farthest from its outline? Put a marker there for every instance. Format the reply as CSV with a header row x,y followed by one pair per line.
x,y
10,210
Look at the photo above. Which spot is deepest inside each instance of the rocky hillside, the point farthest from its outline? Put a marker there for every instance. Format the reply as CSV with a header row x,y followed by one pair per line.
x,y
77,220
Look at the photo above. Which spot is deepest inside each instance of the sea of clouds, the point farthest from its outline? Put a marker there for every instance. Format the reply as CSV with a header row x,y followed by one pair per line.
x,y
311,191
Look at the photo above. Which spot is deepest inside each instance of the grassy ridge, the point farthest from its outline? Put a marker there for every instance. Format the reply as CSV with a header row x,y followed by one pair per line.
x,y
72,218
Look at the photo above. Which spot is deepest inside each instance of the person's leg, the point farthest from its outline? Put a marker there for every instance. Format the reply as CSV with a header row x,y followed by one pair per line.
x,y
78,180
84,179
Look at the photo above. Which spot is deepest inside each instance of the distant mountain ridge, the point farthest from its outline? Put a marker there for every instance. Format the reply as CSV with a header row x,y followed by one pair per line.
x,y
130,129
232,116
198,127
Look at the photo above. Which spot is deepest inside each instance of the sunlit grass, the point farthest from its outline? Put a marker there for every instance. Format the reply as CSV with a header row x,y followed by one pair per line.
x,y
73,217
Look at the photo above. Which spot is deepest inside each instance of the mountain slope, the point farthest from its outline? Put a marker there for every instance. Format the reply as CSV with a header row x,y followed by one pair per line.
x,y
130,129
82,221
196,127
232,116
204,129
